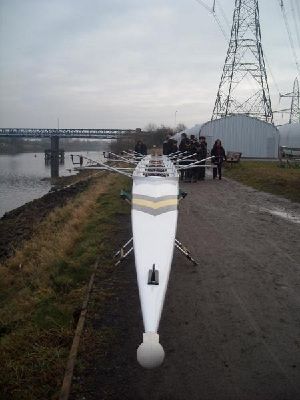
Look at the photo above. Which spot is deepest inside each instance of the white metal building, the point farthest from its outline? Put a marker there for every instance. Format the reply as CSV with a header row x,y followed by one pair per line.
x,y
249,136
290,135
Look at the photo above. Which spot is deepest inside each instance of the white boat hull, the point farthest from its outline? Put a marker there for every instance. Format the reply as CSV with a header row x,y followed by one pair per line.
x,y
154,223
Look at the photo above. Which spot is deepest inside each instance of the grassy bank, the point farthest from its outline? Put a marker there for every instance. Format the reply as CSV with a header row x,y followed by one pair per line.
x,y
43,284
268,177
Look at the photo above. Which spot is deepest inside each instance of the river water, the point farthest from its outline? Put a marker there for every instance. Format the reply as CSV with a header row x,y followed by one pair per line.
x,y
23,177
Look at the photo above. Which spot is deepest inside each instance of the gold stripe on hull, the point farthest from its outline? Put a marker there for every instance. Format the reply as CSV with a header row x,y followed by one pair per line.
x,y
154,205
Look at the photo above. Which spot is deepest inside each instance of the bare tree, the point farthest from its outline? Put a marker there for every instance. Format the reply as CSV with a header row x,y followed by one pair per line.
x,y
179,128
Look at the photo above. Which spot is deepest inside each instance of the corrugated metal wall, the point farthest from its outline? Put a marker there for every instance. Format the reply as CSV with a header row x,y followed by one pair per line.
x,y
250,136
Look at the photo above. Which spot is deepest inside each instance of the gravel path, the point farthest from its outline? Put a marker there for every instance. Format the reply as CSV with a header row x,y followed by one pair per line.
x,y
230,326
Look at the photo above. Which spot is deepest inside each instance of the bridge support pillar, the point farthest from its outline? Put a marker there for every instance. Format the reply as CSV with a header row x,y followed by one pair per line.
x,y
54,156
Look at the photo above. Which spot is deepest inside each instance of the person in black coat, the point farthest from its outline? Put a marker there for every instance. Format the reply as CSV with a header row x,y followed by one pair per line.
x,y
201,155
194,149
185,143
219,156
185,146
169,145
166,146
140,148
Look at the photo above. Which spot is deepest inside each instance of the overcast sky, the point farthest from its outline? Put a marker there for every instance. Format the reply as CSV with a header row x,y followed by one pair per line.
x,y
124,63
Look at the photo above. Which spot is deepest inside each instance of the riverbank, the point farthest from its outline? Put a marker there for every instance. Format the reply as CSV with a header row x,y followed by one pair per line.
x,y
43,283
25,177
19,224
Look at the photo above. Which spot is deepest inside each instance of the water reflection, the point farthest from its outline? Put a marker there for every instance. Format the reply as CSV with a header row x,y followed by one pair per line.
x,y
291,217
21,177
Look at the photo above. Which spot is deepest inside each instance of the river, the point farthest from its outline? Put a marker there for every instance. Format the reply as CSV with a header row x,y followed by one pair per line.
x,y
23,177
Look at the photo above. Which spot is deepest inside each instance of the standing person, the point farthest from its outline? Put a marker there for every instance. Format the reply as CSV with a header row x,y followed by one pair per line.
x,y
140,148
194,149
219,156
184,145
169,145
173,146
201,154
166,146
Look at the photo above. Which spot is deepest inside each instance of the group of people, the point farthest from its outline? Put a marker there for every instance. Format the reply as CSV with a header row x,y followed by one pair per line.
x,y
197,149
191,146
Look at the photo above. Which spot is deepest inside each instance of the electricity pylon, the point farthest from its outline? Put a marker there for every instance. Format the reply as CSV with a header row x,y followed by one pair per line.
x,y
244,86
295,104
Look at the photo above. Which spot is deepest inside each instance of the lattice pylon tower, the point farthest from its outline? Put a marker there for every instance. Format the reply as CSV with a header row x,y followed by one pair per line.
x,y
244,86
295,105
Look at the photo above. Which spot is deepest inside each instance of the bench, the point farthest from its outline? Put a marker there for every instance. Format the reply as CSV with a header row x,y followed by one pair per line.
x,y
289,157
233,157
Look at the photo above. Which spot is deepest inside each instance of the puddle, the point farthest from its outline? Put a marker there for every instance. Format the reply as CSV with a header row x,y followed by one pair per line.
x,y
291,217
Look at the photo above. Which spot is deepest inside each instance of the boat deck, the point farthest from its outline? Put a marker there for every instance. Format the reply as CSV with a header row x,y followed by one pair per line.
x,y
158,166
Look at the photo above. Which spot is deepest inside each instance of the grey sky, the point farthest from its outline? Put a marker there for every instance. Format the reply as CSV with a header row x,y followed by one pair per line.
x,y
122,63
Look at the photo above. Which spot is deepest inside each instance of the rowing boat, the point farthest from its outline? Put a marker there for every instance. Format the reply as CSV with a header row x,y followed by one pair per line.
x,y
154,220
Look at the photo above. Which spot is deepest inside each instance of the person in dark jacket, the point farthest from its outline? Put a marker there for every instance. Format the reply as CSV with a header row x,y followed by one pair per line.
x,y
166,146
202,154
219,156
169,145
140,148
185,145
194,149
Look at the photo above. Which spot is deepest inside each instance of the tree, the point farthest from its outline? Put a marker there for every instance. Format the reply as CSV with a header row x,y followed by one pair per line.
x,y
150,127
179,128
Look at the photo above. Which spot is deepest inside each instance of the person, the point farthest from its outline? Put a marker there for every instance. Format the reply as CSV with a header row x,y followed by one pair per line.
x,y
201,154
174,146
169,145
194,149
184,146
218,153
140,148
166,146
184,143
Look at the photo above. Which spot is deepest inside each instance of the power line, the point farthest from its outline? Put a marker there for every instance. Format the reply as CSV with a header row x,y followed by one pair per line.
x,y
224,14
289,34
298,8
213,12
295,21
220,26
271,73
210,10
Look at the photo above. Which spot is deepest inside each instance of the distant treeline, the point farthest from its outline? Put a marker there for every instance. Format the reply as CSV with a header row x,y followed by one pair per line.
x,y
152,135
22,145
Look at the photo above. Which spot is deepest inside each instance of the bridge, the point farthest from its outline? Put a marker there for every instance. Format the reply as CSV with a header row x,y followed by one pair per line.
x,y
67,133
56,134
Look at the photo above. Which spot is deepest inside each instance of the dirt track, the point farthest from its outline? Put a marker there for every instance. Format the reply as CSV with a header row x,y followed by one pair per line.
x,y
230,326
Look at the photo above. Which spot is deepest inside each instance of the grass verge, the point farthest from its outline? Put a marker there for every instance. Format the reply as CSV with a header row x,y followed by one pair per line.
x,y
43,284
268,177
